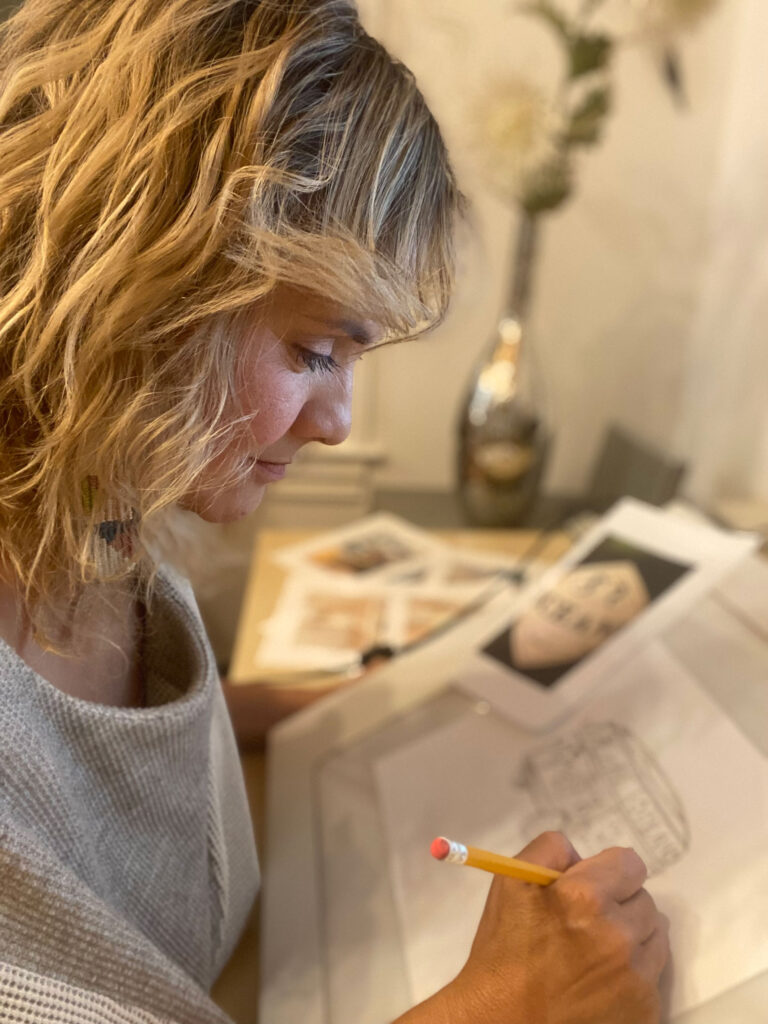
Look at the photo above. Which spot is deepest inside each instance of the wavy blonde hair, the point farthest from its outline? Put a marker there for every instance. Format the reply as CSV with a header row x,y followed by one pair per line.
x,y
163,167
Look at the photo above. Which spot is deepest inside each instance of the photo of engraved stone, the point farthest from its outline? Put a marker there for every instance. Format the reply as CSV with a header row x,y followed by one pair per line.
x,y
611,585
602,787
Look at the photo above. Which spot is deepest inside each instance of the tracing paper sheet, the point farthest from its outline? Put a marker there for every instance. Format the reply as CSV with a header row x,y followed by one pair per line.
x,y
650,762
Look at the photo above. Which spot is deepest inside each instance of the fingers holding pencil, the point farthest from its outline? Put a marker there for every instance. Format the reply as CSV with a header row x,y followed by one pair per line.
x,y
586,946
453,852
536,863
552,850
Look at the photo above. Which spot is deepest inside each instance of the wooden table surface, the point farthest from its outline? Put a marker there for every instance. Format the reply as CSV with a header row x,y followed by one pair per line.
x,y
236,990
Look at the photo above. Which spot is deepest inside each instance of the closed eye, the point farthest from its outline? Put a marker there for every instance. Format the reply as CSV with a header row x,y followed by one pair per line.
x,y
317,362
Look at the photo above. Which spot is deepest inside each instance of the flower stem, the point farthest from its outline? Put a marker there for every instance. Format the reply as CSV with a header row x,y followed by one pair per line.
x,y
524,255
588,8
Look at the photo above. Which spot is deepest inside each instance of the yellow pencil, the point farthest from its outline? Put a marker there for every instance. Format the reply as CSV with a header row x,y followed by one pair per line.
x,y
457,853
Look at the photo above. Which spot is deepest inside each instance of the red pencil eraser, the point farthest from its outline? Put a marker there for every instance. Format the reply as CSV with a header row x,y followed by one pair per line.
x,y
440,848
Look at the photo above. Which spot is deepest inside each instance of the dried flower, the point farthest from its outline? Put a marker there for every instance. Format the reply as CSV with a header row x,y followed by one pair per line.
x,y
668,17
519,131
526,141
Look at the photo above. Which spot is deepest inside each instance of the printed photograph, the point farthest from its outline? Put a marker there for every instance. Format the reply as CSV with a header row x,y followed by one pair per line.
x,y
425,615
340,622
591,602
462,571
359,555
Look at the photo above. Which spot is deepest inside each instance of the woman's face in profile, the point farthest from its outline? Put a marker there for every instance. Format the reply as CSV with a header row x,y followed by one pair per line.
x,y
294,384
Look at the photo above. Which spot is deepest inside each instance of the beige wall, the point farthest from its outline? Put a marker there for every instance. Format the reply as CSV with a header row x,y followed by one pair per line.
x,y
725,426
621,267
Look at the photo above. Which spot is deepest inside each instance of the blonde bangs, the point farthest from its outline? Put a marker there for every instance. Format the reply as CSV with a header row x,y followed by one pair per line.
x,y
162,168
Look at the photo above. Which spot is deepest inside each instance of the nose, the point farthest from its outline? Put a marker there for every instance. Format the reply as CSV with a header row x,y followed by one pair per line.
x,y
327,414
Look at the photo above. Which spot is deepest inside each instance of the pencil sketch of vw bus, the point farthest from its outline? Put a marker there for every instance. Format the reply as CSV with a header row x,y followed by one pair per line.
x,y
601,787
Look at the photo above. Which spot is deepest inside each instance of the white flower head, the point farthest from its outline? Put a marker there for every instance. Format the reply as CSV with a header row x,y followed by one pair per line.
x,y
518,130
669,17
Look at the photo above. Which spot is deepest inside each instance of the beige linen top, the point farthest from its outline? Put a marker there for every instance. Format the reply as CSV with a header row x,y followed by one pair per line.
x,y
127,861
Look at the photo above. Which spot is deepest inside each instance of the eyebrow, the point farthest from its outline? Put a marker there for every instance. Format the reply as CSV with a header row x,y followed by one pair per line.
x,y
353,328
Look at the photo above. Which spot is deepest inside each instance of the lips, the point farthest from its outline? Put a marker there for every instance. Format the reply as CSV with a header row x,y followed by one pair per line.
x,y
270,470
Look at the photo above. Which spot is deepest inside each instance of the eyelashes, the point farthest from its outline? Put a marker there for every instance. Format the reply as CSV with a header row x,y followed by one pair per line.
x,y
317,362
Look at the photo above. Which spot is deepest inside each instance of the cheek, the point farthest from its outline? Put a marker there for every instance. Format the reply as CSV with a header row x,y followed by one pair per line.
x,y
272,404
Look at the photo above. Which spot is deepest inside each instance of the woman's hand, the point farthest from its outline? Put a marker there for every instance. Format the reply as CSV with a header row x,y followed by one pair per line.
x,y
588,949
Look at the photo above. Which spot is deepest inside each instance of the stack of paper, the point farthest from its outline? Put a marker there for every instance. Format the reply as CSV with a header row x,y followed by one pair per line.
x,y
379,581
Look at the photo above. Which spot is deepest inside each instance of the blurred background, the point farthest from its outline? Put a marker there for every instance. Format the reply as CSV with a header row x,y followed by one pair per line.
x,y
648,284
649,291
651,286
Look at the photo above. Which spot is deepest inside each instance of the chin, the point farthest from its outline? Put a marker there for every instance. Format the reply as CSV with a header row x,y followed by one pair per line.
x,y
226,506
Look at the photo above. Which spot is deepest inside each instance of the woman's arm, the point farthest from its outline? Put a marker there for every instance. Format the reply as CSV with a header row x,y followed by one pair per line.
x,y
255,707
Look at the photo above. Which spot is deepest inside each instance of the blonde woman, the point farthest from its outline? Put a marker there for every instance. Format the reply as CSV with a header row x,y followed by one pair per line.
x,y
209,210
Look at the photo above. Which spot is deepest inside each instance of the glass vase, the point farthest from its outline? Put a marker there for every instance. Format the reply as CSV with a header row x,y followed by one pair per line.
x,y
504,437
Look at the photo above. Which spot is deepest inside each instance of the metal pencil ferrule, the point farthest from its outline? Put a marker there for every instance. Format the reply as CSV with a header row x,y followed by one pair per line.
x,y
457,854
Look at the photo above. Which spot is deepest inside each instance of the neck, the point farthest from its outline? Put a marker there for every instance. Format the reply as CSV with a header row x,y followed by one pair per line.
x,y
106,634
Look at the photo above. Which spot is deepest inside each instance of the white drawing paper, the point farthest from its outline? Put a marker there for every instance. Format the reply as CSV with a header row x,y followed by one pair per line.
x,y
650,762
628,578
744,593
